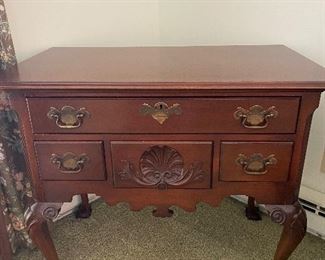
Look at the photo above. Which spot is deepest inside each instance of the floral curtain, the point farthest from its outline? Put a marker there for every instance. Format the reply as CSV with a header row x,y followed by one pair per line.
x,y
7,52
15,187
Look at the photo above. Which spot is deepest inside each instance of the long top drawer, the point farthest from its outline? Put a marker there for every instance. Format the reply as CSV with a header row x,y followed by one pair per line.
x,y
164,115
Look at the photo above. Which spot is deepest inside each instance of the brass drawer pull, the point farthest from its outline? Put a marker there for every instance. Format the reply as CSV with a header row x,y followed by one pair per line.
x,y
160,111
68,117
256,116
255,164
69,162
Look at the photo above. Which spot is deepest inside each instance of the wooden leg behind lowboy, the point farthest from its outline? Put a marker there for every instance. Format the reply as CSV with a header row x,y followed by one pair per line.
x,y
252,212
293,217
36,221
162,211
84,210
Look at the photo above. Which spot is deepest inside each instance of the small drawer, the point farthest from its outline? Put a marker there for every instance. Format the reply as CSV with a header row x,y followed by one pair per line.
x,y
255,161
164,115
161,165
70,160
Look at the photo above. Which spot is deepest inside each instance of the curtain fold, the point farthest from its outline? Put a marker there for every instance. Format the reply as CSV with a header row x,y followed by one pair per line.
x,y
15,186
7,51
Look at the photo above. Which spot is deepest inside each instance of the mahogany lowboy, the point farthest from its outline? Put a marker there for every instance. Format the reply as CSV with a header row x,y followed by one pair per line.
x,y
167,126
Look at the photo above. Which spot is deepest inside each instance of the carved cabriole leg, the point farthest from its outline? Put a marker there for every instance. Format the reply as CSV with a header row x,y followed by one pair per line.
x,y
84,210
162,211
252,212
36,219
293,217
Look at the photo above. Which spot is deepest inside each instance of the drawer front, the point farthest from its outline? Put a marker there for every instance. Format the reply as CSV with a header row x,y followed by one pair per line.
x,y
162,165
255,161
70,160
165,115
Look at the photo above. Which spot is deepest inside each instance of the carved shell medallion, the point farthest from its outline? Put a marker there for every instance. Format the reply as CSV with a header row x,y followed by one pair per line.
x,y
162,166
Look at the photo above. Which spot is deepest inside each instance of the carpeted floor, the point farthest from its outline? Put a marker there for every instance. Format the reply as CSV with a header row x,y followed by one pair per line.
x,y
209,233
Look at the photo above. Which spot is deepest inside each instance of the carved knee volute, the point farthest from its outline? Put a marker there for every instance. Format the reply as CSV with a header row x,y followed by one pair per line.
x,y
36,218
288,215
41,212
293,218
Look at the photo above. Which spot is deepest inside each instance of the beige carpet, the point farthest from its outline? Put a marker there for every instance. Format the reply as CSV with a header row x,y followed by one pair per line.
x,y
209,233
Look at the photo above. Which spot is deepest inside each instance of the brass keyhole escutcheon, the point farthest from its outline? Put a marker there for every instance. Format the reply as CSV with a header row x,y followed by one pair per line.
x,y
160,111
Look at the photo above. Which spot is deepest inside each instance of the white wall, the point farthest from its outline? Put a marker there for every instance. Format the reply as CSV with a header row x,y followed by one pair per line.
x,y
39,24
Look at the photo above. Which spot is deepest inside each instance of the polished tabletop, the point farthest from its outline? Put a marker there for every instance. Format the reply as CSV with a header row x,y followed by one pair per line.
x,y
234,67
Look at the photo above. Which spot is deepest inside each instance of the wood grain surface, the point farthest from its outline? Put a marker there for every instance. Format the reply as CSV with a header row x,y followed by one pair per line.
x,y
247,102
219,67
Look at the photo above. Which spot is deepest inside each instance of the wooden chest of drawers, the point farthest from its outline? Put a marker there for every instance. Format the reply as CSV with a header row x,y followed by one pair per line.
x,y
167,126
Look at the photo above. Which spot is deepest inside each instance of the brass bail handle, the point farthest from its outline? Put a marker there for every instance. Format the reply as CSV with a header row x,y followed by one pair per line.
x,y
69,163
160,111
256,116
68,117
256,164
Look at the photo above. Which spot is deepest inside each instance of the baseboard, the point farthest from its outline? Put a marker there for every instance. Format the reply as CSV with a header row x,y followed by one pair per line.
x,y
313,202
312,195
315,222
